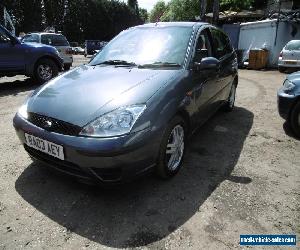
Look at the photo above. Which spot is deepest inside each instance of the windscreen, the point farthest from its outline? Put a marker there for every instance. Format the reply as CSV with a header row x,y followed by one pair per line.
x,y
148,45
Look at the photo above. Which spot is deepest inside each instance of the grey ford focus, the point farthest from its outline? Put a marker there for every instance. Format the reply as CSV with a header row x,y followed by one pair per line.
x,y
131,109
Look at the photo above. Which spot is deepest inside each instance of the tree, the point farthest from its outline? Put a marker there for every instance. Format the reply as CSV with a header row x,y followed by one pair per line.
x,y
235,4
133,4
158,11
143,13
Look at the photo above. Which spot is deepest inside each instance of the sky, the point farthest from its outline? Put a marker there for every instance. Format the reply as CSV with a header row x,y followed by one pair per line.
x,y
147,4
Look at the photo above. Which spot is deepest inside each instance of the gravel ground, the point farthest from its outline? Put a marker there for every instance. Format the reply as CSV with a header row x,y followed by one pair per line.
x,y
240,176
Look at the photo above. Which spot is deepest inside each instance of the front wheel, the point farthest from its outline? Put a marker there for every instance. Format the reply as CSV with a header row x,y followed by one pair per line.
x,y
45,70
281,69
295,120
229,104
172,149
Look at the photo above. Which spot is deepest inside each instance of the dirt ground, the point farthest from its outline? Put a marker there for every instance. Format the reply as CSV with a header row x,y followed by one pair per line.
x,y
241,175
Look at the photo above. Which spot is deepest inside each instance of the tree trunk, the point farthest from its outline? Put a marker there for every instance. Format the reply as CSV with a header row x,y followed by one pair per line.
x,y
203,9
216,11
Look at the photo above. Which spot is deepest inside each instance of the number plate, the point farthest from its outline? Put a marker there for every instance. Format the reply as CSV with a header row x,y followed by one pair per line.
x,y
44,146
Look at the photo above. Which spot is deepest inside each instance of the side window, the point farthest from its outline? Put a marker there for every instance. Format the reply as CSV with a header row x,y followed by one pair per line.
x,y
4,38
45,39
32,38
222,45
203,46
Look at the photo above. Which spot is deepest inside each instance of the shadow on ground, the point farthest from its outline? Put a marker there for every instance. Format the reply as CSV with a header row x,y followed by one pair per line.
x,y
16,87
147,210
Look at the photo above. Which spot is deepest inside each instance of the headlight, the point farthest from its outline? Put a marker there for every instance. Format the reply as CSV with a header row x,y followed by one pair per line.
x,y
115,123
288,86
23,111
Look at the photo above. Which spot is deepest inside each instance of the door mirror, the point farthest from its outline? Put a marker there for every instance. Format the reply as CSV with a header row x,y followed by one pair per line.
x,y
207,63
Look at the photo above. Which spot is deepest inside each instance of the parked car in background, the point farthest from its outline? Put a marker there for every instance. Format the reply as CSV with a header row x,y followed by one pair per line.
x,y
289,102
56,40
78,51
93,46
31,59
131,109
289,57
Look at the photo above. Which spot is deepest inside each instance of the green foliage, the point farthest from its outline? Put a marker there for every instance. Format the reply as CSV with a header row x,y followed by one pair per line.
x,y
178,10
236,4
77,19
158,11
143,13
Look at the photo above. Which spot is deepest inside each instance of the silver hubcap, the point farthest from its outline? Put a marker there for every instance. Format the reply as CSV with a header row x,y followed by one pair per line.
x,y
232,96
45,72
175,148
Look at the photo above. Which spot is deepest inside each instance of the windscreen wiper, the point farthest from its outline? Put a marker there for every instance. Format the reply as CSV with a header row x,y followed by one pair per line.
x,y
116,62
160,65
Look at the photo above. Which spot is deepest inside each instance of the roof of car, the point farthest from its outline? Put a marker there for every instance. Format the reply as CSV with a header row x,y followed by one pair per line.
x,y
173,24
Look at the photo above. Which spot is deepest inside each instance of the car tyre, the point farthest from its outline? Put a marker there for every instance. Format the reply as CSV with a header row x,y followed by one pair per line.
x,y
172,149
67,67
295,120
281,69
230,103
45,70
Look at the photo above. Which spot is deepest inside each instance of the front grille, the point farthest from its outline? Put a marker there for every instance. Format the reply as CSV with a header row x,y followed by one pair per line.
x,y
53,125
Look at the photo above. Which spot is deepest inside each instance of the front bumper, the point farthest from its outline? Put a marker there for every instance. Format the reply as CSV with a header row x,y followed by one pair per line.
x,y
285,103
104,160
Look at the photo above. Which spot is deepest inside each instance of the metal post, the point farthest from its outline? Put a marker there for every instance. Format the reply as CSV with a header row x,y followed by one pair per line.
x,y
278,20
203,9
216,11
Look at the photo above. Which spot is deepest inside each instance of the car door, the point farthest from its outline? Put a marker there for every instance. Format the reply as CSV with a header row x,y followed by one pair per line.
x,y
12,53
224,52
204,80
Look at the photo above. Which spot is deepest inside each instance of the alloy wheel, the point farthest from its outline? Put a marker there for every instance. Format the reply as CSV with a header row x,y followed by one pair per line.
x,y
175,148
45,72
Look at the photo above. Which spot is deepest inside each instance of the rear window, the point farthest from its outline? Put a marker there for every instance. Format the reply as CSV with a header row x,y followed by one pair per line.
x,y
55,40
293,45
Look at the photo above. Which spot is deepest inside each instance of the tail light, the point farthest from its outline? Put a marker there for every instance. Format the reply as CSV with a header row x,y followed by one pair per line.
x,y
69,51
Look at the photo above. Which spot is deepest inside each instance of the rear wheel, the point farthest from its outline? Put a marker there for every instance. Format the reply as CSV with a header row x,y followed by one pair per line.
x,y
67,67
45,70
229,104
295,120
172,149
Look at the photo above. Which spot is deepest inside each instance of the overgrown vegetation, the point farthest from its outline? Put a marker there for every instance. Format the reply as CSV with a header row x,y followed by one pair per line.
x,y
77,19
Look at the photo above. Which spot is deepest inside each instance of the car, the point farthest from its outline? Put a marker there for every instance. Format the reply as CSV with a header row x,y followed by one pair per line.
x,y
289,57
131,109
56,40
288,98
93,46
78,51
41,62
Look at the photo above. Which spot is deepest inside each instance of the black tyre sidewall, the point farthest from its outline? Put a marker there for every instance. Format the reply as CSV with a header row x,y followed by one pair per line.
x,y
294,119
162,169
49,62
